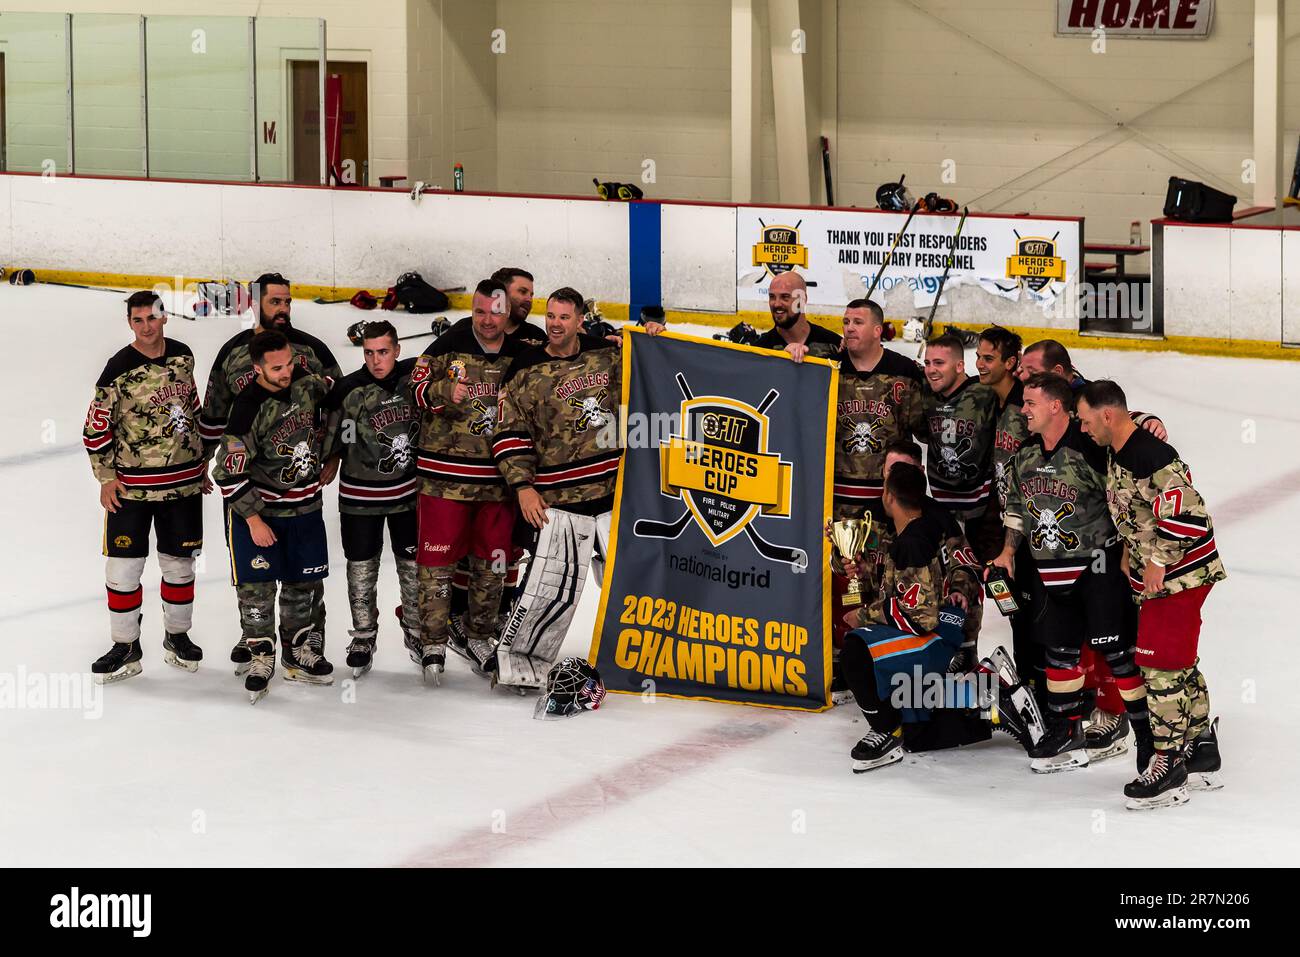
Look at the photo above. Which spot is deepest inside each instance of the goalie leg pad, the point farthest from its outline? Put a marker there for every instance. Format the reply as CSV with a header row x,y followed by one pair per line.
x,y
548,597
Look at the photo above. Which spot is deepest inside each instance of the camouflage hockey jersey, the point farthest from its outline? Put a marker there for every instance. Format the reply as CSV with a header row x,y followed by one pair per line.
x,y
1057,501
911,582
375,435
455,456
960,431
233,370
142,426
1160,515
873,409
1009,434
821,342
557,429
961,570
269,458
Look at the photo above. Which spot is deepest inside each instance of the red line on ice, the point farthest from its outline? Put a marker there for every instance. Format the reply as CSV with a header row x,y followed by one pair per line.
x,y
606,791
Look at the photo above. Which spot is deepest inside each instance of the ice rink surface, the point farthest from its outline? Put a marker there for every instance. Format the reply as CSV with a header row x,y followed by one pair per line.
x,y
170,768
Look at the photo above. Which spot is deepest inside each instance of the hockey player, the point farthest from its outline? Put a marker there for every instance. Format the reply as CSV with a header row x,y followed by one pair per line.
x,y
375,440
879,401
904,627
142,436
1048,355
997,359
233,369
1056,507
1172,562
960,423
268,467
464,506
786,298
557,447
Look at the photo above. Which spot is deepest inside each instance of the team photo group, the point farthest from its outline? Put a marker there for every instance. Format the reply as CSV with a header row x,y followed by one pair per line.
x,y
491,460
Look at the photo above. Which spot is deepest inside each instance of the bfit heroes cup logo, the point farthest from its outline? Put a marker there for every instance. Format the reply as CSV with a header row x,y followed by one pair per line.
x,y
1035,263
779,250
721,469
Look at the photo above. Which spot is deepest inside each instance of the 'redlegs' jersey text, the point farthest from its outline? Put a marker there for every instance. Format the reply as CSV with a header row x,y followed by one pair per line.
x,y
375,436
142,428
1057,501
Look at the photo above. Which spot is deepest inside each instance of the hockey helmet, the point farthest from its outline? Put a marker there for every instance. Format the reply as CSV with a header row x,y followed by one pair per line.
x,y
572,687
894,196
935,203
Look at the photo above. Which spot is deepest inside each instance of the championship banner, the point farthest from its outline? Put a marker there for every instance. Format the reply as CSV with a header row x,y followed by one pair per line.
x,y
717,585
839,252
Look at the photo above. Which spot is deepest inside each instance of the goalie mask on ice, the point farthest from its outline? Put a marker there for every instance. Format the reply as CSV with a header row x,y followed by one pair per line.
x,y
566,547
572,687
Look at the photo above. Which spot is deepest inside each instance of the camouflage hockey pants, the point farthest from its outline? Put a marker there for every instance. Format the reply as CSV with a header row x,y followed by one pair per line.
x,y
1179,705
363,582
302,604
485,583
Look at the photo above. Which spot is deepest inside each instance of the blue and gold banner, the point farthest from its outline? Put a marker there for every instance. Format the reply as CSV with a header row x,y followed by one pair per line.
x,y
718,579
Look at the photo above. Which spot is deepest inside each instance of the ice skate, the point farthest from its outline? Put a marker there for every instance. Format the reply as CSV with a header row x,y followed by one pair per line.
x,y
122,661
261,669
1162,784
361,655
1202,760
240,656
1106,735
303,659
876,750
1063,749
431,659
180,652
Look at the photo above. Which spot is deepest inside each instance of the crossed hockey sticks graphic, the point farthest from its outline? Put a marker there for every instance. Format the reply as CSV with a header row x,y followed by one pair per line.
x,y
649,528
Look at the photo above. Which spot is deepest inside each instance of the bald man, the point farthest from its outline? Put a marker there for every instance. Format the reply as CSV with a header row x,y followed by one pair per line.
x,y
786,297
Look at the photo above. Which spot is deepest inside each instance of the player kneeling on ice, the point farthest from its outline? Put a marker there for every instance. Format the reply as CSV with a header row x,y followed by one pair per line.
x,y
143,439
268,467
906,634
557,446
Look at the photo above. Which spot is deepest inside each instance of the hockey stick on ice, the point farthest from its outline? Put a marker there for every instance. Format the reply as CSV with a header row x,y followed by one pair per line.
x,y
943,280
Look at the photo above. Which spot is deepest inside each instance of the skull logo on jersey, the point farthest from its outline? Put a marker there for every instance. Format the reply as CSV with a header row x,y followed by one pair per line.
x,y
952,465
302,462
178,421
862,437
592,413
484,418
399,451
1048,533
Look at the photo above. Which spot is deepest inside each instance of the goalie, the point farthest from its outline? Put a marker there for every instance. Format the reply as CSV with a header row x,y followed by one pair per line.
x,y
557,444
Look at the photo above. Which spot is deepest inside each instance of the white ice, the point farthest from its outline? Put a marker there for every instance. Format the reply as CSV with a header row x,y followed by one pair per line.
x,y
170,768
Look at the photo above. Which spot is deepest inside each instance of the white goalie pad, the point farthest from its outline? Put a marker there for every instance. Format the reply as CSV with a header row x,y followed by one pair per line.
x,y
548,595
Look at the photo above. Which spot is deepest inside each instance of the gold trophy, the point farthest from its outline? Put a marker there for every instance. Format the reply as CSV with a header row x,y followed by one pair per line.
x,y
848,538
